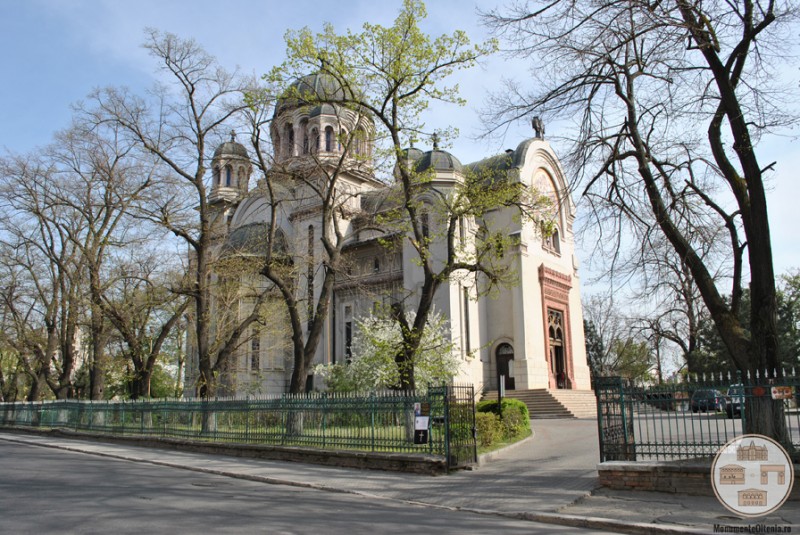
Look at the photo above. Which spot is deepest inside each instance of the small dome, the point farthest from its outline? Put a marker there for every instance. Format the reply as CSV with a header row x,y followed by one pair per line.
x,y
411,155
231,148
439,160
313,87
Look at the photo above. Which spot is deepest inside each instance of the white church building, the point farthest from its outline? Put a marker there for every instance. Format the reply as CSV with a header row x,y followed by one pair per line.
x,y
530,333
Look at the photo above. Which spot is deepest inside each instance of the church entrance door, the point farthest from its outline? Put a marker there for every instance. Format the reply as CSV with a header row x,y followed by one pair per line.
x,y
505,365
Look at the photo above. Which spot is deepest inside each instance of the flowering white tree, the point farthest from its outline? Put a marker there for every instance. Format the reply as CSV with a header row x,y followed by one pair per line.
x,y
377,344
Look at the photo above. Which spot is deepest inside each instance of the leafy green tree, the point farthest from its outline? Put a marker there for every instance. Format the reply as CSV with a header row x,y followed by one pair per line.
x,y
376,344
632,359
392,74
595,349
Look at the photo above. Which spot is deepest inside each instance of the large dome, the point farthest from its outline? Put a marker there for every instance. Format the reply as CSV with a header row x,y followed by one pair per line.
x,y
313,88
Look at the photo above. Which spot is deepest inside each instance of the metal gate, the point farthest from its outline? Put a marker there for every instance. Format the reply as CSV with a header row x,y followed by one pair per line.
x,y
461,445
614,421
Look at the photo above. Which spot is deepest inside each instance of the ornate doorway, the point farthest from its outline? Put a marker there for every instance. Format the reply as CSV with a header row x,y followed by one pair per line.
x,y
555,331
505,365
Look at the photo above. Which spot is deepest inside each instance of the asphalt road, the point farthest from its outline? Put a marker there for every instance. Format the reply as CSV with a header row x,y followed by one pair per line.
x,y
46,491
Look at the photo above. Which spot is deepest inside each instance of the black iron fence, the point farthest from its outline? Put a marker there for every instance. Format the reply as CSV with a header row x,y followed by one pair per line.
x,y
375,422
693,418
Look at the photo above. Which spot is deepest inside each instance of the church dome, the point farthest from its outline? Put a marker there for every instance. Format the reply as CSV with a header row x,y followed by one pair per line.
x,y
439,160
231,148
314,88
411,156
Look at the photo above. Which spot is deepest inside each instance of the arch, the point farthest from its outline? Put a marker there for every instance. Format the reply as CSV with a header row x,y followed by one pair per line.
x,y
288,139
360,142
228,176
304,133
504,356
280,245
328,139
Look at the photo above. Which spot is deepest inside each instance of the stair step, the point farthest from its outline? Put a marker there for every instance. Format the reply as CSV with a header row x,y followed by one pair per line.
x,y
543,403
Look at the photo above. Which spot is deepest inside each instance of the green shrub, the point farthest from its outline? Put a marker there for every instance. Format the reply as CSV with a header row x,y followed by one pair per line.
x,y
514,424
489,428
515,421
509,405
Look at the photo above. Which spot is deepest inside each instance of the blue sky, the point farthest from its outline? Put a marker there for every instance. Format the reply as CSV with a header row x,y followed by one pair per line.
x,y
54,52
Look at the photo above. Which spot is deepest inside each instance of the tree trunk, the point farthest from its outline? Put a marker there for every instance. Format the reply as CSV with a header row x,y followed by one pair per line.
x,y
765,416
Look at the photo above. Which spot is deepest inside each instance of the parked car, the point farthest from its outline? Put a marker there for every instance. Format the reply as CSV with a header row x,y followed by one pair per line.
x,y
735,400
708,401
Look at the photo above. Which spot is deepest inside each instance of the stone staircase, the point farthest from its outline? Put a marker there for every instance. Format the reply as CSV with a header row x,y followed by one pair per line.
x,y
543,403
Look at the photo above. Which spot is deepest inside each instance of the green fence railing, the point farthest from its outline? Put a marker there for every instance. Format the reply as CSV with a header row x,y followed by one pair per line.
x,y
693,418
374,422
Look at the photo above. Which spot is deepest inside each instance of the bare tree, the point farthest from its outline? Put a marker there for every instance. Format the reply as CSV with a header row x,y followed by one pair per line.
x,y
43,298
177,128
642,77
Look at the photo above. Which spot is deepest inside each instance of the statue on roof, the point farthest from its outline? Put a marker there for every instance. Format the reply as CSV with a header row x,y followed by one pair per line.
x,y
538,127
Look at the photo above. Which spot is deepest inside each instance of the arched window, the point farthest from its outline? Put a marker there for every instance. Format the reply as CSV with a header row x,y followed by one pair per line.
x,y
310,277
289,137
216,176
328,138
241,180
314,141
304,129
425,224
228,175
361,142
551,242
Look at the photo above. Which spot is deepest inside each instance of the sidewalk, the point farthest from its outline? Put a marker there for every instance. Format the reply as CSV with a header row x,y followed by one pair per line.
x,y
548,478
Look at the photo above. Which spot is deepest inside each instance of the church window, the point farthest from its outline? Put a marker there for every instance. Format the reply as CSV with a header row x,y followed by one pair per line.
x,y
289,137
216,176
310,277
241,180
255,350
314,141
304,130
348,341
551,242
376,265
329,138
467,345
228,175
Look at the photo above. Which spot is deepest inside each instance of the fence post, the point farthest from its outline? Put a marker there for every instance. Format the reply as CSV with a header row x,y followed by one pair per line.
x,y
445,400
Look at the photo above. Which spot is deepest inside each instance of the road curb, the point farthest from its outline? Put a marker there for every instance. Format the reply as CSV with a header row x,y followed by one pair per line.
x,y
488,457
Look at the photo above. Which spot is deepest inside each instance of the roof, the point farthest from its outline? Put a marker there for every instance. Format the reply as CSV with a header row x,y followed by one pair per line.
x,y
439,160
231,148
313,88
